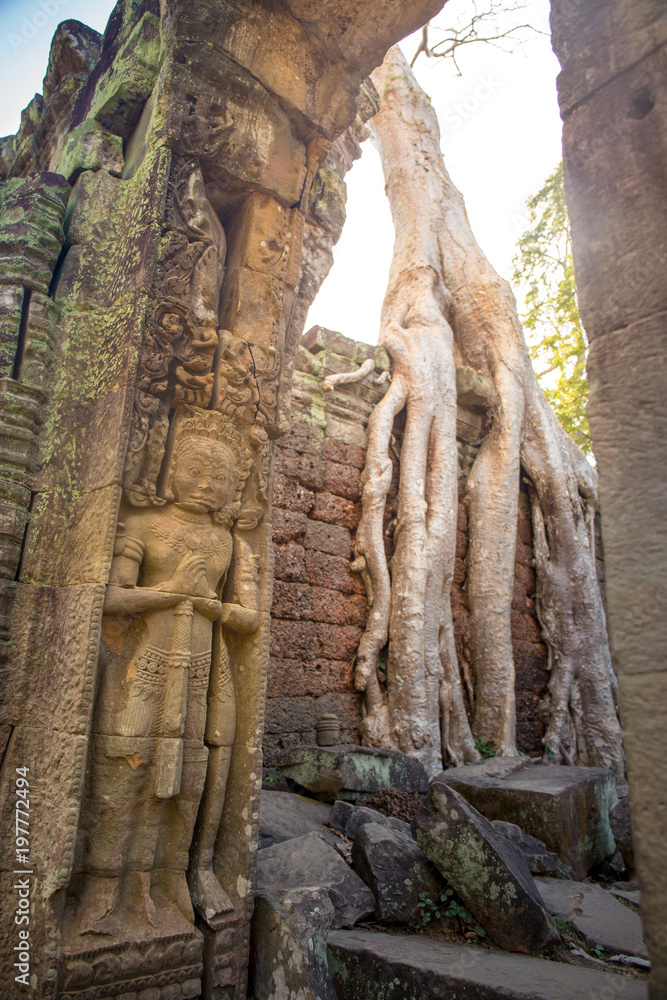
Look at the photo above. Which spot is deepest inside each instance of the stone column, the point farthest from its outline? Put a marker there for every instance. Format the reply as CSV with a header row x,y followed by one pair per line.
x,y
613,98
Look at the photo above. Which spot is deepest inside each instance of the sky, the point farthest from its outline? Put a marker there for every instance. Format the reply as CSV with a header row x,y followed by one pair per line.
x,y
501,135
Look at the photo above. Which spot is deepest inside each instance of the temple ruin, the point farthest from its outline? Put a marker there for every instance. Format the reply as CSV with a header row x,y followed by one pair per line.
x,y
219,528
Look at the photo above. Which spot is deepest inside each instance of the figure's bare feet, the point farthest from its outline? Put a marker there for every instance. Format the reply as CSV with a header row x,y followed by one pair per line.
x,y
208,897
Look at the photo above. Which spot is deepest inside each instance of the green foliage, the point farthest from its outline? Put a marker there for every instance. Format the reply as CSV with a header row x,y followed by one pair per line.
x,y
484,749
544,265
447,905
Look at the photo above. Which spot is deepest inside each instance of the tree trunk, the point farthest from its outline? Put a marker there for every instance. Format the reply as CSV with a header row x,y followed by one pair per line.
x,y
445,306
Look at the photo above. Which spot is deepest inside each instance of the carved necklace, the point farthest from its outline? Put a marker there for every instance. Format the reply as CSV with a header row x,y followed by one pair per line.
x,y
184,538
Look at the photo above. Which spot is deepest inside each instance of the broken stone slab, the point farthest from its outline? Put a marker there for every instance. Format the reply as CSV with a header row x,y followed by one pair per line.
x,y
348,818
289,945
540,861
487,871
347,772
565,807
284,815
396,871
366,964
598,916
309,862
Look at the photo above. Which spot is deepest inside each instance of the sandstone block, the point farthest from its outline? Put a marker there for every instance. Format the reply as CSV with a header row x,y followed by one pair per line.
x,y
486,870
395,869
309,862
565,807
596,914
347,818
346,772
539,860
367,964
289,945
89,147
283,816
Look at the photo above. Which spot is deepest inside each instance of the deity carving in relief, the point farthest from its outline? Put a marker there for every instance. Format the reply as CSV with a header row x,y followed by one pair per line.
x,y
166,712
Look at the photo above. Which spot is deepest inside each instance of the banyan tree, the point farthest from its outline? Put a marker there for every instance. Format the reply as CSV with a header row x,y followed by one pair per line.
x,y
445,309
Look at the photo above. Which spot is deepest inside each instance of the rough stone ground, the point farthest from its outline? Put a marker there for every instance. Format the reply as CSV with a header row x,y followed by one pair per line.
x,y
427,950
367,964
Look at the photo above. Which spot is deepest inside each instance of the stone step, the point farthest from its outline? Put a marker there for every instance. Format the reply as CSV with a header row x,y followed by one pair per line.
x,y
367,965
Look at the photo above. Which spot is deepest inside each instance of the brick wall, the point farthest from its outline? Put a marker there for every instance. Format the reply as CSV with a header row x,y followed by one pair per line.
x,y
319,606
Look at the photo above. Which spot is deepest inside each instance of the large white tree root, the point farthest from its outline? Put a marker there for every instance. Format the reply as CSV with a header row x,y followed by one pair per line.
x,y
445,306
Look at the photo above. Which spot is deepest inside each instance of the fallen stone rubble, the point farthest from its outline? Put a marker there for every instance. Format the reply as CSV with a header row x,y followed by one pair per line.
x,y
467,894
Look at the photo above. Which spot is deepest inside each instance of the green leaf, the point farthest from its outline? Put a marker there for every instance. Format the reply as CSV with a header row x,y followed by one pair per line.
x,y
544,267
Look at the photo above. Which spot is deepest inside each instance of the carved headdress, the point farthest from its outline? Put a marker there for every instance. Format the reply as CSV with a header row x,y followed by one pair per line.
x,y
209,425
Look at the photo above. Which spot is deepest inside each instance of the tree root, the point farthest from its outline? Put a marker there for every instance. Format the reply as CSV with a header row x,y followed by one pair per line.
x,y
445,306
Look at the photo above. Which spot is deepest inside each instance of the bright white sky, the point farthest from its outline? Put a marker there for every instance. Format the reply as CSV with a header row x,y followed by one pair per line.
x,y
501,135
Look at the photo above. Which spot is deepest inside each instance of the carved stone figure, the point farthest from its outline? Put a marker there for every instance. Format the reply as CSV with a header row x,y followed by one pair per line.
x,y
166,712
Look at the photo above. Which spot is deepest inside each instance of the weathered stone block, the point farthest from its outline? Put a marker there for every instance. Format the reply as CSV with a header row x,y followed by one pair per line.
x,y
345,454
292,497
330,538
252,306
310,862
565,807
290,638
332,572
397,872
342,480
596,914
611,39
624,121
627,366
284,816
287,525
486,870
407,967
84,447
290,563
305,468
337,640
348,818
259,237
289,945
336,510
292,600
70,538
346,772
89,147
339,609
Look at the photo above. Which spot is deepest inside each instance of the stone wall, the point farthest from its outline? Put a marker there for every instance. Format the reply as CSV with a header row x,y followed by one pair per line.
x,y
319,606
